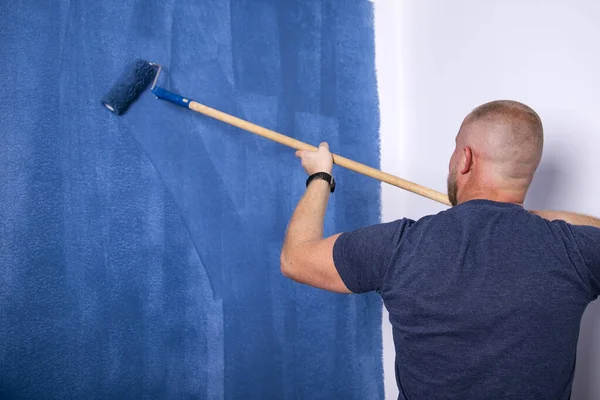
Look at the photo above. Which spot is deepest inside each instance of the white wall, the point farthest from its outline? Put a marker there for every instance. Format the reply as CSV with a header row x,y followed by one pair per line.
x,y
438,59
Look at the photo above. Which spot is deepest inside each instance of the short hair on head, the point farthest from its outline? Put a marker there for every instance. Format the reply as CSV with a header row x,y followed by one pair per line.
x,y
510,111
499,106
508,135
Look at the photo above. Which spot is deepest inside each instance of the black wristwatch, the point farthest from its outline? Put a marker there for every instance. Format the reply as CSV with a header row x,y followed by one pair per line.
x,y
325,176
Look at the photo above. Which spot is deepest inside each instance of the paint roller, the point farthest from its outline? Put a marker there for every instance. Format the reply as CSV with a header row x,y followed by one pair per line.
x,y
140,73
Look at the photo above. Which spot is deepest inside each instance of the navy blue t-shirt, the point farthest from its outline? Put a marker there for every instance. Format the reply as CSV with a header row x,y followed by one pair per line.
x,y
485,298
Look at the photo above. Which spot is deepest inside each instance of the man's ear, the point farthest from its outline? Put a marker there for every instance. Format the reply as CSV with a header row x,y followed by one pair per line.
x,y
466,161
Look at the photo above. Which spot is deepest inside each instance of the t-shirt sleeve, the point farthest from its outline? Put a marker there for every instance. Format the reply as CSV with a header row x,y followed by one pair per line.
x,y
362,257
587,239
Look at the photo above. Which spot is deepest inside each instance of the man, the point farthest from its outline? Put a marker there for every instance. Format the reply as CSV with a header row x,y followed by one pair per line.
x,y
485,298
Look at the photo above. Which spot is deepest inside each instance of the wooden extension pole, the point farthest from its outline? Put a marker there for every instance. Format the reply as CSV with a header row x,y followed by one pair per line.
x,y
338,160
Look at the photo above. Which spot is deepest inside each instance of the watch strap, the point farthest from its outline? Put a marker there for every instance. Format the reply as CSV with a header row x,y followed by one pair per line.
x,y
325,176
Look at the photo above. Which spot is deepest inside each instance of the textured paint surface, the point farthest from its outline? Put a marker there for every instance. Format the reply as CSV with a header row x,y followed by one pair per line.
x,y
139,255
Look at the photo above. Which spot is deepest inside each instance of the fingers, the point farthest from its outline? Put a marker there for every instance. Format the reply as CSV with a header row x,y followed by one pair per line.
x,y
302,153
319,160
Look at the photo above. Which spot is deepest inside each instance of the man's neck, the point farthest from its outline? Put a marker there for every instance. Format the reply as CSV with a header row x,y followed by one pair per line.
x,y
491,194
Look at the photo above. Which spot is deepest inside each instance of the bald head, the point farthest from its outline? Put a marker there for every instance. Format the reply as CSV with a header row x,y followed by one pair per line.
x,y
498,149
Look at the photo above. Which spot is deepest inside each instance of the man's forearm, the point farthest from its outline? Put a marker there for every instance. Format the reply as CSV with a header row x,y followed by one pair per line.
x,y
309,217
569,217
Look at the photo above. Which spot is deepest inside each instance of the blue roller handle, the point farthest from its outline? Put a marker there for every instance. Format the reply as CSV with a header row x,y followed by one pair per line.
x,y
171,97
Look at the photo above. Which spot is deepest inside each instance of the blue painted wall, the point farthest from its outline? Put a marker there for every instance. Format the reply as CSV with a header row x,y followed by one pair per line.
x,y
139,255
